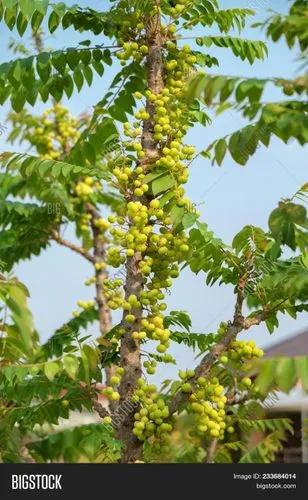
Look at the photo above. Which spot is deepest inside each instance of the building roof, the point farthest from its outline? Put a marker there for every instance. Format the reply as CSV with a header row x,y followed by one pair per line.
x,y
296,400
296,345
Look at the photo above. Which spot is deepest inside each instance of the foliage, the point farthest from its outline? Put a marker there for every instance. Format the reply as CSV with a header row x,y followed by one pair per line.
x,y
291,26
245,49
130,158
266,450
282,373
283,119
20,338
93,443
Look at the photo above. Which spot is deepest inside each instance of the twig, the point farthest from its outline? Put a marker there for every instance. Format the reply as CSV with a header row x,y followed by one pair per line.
x,y
211,451
100,409
81,251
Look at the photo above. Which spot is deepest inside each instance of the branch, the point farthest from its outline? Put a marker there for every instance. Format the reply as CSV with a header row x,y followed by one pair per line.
x,y
56,236
99,249
100,409
234,398
211,451
238,324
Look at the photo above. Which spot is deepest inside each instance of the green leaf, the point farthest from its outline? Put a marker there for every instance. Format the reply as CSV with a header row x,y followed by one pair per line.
x,y
71,365
51,369
92,357
266,449
301,364
176,214
9,4
78,79
266,377
248,236
15,296
189,219
88,74
117,113
162,184
65,336
27,165
285,375
282,222
89,152
18,101
154,175
21,24
220,151
53,22
85,43
36,20
245,49
99,68
178,318
27,7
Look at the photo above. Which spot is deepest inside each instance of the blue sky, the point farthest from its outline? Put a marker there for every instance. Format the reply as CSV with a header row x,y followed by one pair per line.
x,y
230,196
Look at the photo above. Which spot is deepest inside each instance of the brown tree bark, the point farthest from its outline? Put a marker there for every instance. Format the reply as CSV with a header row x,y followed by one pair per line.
x,y
130,349
211,451
38,40
99,251
130,361
104,313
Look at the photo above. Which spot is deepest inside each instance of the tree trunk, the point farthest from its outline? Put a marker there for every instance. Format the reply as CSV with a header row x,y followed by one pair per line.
x,y
130,348
130,361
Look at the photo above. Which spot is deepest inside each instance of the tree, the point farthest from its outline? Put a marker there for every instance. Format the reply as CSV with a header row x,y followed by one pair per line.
x,y
152,236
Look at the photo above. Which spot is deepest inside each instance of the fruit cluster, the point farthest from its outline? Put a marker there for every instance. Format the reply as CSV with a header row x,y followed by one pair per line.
x,y
133,50
207,402
151,420
83,304
150,367
53,133
114,293
243,351
178,8
85,187
111,390
102,224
